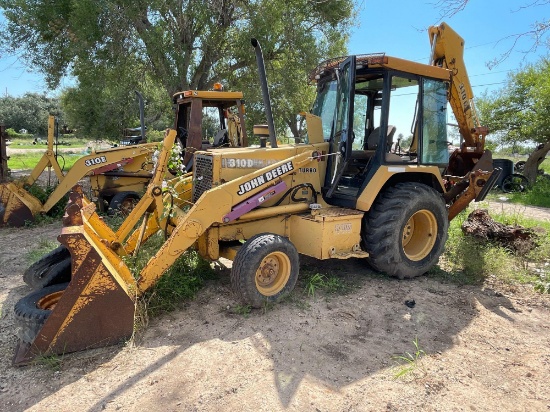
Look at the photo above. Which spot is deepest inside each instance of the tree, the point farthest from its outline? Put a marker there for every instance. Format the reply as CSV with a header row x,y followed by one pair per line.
x,y
29,112
104,102
538,31
180,44
520,112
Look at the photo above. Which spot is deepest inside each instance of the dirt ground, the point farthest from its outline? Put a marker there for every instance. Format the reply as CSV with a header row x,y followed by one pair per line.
x,y
487,348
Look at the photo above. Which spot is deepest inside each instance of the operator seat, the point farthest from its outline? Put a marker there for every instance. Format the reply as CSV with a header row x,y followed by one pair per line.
x,y
374,138
221,138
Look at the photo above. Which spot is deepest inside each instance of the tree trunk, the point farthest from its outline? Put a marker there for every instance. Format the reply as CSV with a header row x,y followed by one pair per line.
x,y
534,160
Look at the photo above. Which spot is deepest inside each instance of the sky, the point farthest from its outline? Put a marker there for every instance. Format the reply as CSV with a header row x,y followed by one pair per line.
x,y
398,28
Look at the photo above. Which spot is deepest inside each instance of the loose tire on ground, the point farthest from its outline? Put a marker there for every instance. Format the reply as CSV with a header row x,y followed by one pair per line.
x,y
50,269
32,310
515,183
519,167
265,269
124,202
406,230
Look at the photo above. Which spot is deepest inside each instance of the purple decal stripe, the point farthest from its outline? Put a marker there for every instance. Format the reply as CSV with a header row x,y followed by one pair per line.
x,y
254,201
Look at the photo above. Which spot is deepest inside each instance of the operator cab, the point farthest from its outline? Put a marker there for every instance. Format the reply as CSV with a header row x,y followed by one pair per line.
x,y
208,119
378,111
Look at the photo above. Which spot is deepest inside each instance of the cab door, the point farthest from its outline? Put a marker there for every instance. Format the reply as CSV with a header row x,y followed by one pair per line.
x,y
342,131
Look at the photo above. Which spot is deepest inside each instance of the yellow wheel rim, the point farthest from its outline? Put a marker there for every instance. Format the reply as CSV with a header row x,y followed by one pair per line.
x,y
49,302
419,235
273,273
127,205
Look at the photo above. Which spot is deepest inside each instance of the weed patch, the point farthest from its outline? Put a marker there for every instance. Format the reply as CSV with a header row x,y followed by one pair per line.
x,y
52,362
243,310
179,283
408,364
327,283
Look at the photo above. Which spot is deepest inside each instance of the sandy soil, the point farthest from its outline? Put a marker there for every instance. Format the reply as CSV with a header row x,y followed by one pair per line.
x,y
487,348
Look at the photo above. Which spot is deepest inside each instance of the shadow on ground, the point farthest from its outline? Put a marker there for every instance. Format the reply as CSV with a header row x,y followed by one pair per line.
x,y
330,339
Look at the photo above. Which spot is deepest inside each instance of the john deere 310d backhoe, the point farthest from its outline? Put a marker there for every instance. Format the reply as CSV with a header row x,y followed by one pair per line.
x,y
346,191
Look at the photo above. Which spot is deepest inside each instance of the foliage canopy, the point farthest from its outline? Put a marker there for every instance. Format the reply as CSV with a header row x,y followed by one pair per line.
x,y
520,112
176,44
28,112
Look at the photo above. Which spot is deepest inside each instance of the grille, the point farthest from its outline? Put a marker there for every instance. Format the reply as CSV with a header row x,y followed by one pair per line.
x,y
203,175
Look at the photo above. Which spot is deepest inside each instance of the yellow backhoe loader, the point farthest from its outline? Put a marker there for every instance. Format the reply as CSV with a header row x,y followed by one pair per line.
x,y
18,205
345,191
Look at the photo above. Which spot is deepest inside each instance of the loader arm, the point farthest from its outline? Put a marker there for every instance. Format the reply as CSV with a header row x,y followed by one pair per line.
x,y
213,207
150,207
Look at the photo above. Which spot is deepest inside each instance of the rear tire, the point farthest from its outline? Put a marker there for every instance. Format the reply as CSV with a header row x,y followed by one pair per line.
x,y
32,310
406,230
50,269
124,202
265,269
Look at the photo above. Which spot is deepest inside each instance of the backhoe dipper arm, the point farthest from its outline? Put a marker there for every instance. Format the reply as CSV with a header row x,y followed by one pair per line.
x,y
448,52
48,159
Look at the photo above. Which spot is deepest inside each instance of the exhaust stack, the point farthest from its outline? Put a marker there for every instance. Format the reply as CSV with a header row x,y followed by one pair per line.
x,y
265,91
141,114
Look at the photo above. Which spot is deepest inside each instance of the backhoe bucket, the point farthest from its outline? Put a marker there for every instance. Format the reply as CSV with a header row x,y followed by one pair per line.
x,y
16,207
97,307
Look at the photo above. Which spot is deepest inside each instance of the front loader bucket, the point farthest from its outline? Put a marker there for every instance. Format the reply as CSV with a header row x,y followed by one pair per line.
x,y
97,307
15,209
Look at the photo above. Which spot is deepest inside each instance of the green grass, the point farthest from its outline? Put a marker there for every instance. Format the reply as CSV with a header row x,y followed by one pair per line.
x,y
545,165
330,284
27,161
44,246
538,195
52,362
180,282
243,310
408,364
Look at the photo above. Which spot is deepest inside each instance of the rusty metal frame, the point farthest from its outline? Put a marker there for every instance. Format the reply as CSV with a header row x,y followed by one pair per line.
x,y
4,171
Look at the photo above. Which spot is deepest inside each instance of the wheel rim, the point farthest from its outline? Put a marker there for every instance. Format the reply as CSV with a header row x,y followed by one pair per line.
x,y
127,205
273,273
49,302
419,235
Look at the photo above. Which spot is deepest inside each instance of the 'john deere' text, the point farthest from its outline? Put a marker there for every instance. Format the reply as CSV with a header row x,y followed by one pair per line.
x,y
264,178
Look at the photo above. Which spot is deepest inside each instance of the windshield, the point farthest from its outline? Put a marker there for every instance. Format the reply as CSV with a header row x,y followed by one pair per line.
x,y
325,104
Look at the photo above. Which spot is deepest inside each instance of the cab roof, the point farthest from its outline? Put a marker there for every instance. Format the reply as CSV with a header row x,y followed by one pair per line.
x,y
380,60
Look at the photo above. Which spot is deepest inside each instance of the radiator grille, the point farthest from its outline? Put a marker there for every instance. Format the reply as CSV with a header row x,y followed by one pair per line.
x,y
202,175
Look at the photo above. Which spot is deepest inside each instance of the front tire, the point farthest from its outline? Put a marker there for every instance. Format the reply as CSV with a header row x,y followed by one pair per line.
x,y
406,230
265,269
